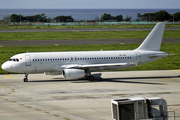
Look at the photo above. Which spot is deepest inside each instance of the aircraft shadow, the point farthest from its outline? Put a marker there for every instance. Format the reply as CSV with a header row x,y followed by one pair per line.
x,y
58,80
131,80
127,80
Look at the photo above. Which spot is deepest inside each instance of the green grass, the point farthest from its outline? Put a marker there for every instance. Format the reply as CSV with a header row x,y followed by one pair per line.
x,y
171,62
86,26
82,35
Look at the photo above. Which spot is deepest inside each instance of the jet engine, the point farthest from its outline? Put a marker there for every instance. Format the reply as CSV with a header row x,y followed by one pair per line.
x,y
73,73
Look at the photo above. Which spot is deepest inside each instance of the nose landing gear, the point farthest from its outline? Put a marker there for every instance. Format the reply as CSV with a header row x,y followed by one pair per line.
x,y
26,78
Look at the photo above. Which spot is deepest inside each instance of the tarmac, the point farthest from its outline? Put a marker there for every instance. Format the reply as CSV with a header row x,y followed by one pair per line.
x,y
53,98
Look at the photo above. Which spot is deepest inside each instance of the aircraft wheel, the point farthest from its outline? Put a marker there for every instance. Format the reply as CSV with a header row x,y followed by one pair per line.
x,y
91,78
25,80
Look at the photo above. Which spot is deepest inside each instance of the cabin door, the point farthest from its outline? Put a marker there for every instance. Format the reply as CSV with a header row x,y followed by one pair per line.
x,y
138,57
28,60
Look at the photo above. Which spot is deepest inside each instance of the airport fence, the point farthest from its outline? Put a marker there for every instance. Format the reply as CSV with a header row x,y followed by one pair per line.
x,y
86,23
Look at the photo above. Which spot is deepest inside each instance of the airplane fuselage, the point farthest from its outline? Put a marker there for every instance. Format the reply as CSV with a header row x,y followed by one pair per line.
x,y
54,61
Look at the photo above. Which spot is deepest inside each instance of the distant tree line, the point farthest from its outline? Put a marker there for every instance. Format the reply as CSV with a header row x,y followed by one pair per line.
x,y
37,18
118,18
157,16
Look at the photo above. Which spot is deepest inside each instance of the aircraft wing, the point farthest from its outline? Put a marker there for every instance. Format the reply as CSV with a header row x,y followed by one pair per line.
x,y
95,65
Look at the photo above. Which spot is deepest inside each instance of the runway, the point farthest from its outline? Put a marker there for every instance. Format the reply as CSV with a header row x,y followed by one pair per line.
x,y
81,29
81,42
51,97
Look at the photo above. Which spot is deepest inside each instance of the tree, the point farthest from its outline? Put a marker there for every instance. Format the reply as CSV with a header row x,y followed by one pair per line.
x,y
34,18
64,19
119,18
7,18
139,17
106,17
15,18
128,18
162,16
40,17
97,19
148,16
177,16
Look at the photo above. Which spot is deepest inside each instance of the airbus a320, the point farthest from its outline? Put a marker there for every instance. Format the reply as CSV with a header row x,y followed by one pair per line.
x,y
76,65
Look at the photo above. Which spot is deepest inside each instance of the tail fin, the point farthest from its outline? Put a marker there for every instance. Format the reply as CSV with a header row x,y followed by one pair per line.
x,y
154,39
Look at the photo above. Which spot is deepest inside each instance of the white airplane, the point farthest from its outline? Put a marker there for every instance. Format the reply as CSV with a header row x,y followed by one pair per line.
x,y
76,65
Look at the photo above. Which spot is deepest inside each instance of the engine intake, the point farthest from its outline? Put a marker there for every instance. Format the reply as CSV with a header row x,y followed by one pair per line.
x,y
73,73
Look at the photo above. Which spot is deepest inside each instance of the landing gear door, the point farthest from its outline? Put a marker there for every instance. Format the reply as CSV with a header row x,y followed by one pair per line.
x,y
28,60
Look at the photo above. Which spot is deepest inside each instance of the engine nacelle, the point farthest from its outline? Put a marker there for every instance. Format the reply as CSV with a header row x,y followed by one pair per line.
x,y
73,73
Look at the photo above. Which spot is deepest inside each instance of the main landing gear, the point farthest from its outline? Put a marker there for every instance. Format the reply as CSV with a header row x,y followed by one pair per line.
x,y
90,78
26,78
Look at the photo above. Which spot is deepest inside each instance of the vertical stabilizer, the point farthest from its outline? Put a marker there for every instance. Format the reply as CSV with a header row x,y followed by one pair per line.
x,y
154,39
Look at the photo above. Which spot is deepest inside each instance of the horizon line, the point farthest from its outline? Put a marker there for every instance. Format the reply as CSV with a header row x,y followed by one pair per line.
x,y
90,8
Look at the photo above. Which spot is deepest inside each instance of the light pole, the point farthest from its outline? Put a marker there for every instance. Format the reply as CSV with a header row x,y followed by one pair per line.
x,y
173,19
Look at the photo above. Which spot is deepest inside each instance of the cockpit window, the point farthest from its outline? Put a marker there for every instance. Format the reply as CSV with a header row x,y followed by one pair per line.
x,y
14,59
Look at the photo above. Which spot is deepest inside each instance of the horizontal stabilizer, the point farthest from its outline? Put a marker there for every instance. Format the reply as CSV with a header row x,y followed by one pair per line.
x,y
161,55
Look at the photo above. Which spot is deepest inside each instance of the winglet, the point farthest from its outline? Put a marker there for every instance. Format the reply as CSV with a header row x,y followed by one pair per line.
x,y
154,39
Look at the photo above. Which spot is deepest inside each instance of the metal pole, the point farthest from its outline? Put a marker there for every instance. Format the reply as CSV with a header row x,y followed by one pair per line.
x,y
173,19
135,115
20,19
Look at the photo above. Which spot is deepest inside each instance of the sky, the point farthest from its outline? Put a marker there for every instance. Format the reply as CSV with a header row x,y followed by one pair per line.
x,y
89,4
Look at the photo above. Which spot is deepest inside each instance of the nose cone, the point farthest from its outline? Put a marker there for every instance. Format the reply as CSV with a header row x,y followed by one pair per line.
x,y
4,66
